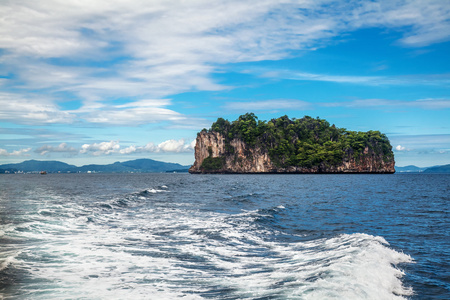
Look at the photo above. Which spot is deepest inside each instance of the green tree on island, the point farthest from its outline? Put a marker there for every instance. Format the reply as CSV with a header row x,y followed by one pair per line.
x,y
305,142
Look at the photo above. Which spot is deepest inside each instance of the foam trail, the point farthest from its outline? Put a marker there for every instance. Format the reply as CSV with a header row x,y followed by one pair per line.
x,y
164,249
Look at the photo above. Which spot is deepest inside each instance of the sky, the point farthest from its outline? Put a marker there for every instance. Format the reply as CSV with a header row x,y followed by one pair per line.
x,y
85,81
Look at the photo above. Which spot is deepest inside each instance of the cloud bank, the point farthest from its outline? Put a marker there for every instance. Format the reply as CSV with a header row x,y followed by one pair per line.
x,y
111,147
169,146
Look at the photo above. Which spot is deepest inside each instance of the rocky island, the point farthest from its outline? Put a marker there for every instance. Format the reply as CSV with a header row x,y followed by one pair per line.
x,y
282,145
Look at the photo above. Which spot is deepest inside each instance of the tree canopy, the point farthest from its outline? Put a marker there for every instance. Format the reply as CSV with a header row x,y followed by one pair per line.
x,y
304,142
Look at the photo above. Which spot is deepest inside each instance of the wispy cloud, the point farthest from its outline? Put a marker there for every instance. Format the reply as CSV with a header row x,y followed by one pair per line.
x,y
292,104
132,116
31,110
438,79
61,148
429,103
100,51
303,76
423,22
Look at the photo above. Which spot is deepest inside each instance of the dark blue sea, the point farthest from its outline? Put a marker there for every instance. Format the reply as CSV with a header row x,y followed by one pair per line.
x,y
181,236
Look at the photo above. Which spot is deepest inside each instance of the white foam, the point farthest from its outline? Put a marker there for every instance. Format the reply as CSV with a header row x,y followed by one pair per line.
x,y
358,266
177,253
154,191
7,260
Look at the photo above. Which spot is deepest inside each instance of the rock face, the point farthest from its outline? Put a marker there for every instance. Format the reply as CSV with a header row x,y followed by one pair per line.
x,y
219,152
244,159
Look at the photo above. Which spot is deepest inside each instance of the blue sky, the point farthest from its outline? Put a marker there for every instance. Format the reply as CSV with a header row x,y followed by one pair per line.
x,y
104,81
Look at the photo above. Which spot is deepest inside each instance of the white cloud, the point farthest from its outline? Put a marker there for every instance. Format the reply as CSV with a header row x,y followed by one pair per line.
x,y
103,148
62,148
137,113
175,146
145,103
132,116
193,144
21,152
169,146
128,150
423,22
34,111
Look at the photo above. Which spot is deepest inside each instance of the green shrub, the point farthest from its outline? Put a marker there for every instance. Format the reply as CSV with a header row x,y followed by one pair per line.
x,y
213,163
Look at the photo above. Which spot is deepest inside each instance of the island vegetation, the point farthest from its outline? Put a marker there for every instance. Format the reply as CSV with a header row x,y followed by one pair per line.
x,y
303,143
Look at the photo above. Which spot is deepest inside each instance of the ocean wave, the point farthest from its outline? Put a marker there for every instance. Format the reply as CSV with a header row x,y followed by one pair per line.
x,y
134,198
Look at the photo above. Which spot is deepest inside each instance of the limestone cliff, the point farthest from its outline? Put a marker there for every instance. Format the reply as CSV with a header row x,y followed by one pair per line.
x,y
244,160
301,146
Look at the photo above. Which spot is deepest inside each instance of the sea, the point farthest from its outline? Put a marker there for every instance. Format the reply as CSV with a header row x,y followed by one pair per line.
x,y
183,236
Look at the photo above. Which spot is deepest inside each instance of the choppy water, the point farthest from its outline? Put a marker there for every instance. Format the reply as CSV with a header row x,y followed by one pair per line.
x,y
170,236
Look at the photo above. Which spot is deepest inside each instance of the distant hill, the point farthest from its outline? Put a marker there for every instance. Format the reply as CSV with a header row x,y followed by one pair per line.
x,y
415,169
438,169
409,169
137,166
37,165
156,166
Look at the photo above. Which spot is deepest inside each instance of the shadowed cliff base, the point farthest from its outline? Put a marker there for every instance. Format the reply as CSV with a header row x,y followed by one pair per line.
x,y
297,146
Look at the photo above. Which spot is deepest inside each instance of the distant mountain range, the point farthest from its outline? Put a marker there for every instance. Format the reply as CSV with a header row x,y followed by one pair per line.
x,y
414,169
438,169
135,166
409,169
145,166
